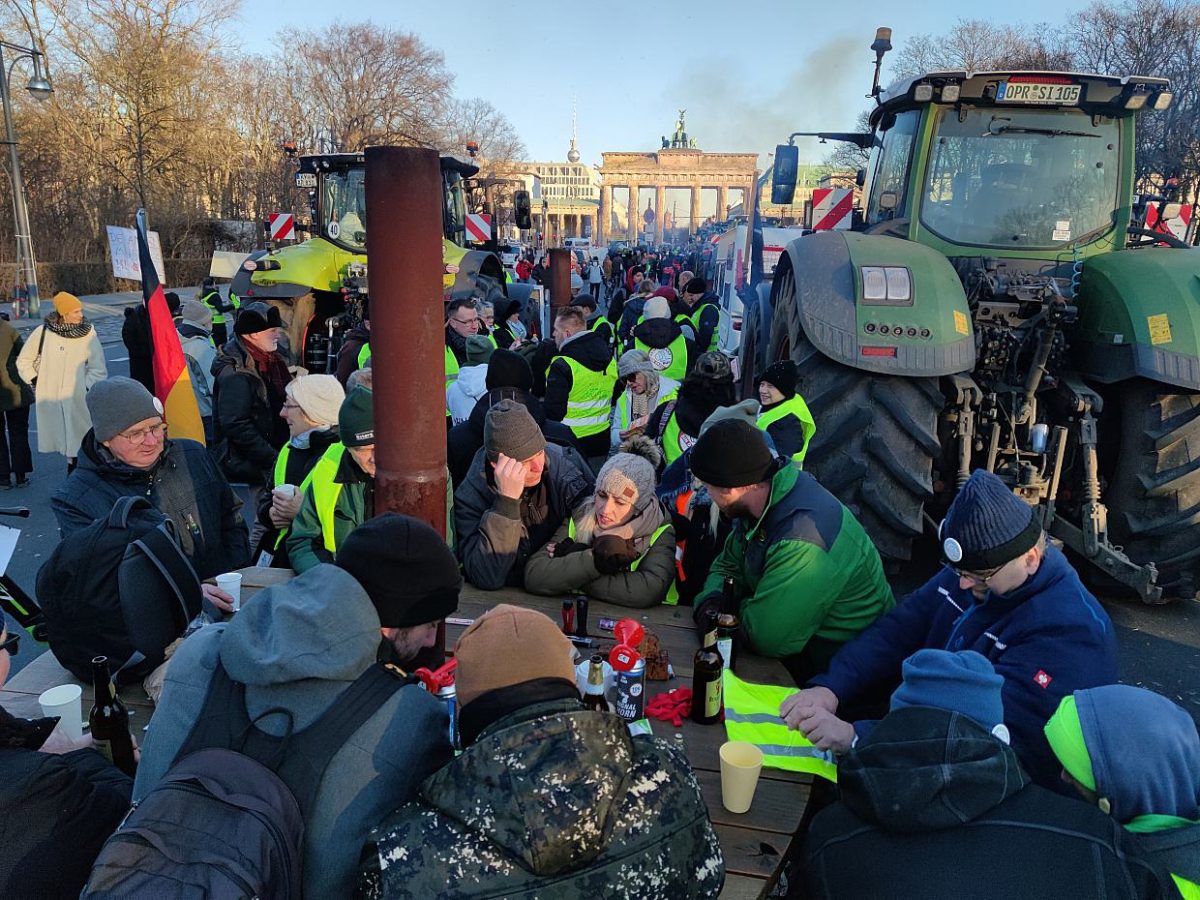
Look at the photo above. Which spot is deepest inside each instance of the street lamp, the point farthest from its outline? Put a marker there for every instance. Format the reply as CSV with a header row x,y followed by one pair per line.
x,y
40,88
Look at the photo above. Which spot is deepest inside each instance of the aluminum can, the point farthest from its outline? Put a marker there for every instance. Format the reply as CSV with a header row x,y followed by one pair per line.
x,y
450,694
630,689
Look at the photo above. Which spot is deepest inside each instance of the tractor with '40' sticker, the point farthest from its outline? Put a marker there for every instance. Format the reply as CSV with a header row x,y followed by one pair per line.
x,y
1001,304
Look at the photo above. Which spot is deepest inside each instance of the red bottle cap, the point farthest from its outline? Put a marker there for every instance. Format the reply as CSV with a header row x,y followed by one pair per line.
x,y
629,632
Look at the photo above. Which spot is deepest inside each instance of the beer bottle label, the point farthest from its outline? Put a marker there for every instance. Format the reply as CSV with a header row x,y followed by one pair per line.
x,y
725,648
712,698
105,748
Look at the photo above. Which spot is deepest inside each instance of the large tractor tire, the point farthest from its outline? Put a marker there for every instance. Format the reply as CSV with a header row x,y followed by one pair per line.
x,y
876,436
754,334
1154,499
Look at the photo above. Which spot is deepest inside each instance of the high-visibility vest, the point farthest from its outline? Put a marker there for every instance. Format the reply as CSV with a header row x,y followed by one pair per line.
x,y
693,319
624,401
213,301
281,462
326,491
793,406
1189,890
752,715
491,336
670,361
451,367
674,441
589,404
672,598
364,354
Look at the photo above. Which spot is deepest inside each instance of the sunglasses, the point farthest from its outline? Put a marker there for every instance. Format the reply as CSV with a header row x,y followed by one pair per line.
x,y
11,643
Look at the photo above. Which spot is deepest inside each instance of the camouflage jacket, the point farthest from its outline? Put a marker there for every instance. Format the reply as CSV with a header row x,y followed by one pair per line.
x,y
552,800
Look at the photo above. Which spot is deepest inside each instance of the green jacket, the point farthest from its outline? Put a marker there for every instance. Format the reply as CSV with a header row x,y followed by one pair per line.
x,y
552,800
355,504
805,569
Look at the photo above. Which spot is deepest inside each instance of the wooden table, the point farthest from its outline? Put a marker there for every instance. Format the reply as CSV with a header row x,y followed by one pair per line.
x,y
754,844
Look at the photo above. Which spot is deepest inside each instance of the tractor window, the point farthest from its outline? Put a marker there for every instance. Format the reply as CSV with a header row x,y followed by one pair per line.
x,y
345,205
1021,178
454,207
894,152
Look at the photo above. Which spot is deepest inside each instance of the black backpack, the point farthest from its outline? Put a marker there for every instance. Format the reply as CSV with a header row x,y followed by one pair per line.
x,y
121,588
227,819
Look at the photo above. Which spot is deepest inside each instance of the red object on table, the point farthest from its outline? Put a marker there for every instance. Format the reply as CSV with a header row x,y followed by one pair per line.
x,y
629,633
434,680
670,706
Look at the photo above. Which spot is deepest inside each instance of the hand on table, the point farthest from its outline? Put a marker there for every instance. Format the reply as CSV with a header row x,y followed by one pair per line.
x,y
793,709
217,597
510,477
825,730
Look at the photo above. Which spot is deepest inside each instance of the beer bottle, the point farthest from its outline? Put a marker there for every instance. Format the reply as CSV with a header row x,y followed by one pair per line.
x,y
729,597
593,696
727,634
706,677
109,720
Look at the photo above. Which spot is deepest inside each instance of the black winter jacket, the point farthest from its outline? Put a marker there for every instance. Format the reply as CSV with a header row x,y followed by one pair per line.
x,y
299,463
933,806
593,351
347,361
185,485
246,422
55,812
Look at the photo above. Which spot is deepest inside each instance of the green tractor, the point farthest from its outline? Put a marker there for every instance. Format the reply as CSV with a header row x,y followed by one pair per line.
x,y
319,284
999,304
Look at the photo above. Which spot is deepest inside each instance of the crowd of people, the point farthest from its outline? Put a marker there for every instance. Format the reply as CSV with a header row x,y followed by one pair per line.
x,y
978,722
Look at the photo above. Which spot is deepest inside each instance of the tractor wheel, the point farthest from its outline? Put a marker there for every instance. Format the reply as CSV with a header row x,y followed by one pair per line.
x,y
876,436
753,332
1154,498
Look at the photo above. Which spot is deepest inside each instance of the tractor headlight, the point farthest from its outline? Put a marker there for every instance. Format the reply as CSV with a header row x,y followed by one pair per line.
x,y
950,93
1163,99
899,285
874,283
1136,101
886,285
923,93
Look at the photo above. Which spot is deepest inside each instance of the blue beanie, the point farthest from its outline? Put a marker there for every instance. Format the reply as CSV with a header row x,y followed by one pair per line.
x,y
987,525
962,682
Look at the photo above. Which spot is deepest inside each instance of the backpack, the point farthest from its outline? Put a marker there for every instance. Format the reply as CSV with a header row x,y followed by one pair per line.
x,y
227,819
122,588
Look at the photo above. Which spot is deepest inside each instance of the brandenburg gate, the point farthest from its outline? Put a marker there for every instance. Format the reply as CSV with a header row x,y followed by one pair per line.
x,y
679,164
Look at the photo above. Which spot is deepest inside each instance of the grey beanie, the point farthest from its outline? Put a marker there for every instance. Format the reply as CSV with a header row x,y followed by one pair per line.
x,y
479,350
987,525
632,361
196,313
119,402
508,428
630,474
747,411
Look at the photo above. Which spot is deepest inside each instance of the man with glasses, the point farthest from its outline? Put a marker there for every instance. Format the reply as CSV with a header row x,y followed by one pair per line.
x,y
127,453
1004,592
462,321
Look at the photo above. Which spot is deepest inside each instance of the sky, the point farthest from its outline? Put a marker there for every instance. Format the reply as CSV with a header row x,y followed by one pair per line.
x,y
748,72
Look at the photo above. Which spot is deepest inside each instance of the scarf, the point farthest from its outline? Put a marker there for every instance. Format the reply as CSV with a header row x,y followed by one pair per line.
x,y
273,371
639,527
517,329
55,323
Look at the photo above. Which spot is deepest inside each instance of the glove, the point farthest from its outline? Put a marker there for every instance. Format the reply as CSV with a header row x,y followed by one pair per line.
x,y
670,706
711,602
613,554
564,547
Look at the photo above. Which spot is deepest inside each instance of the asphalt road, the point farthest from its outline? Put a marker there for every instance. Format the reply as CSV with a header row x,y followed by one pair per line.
x,y
1159,645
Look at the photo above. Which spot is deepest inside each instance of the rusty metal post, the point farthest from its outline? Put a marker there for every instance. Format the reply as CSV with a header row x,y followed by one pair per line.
x,y
404,250
560,278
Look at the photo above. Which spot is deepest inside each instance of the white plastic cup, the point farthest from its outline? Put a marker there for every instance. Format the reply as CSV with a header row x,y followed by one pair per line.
x,y
287,491
231,583
741,763
66,702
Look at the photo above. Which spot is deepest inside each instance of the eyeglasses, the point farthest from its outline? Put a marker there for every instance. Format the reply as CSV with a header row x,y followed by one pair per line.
x,y
471,321
11,643
139,435
290,406
979,578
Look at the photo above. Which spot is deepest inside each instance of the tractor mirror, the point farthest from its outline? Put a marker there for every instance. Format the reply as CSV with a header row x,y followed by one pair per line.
x,y
522,211
783,174
860,177
889,200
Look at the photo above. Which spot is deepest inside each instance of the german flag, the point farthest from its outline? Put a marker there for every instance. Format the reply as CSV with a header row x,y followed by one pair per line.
x,y
172,385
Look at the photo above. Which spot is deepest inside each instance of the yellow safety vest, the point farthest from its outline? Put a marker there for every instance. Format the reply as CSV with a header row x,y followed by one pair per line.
x,y
795,406
693,319
281,462
669,361
451,367
1188,889
624,416
752,715
364,354
672,598
674,441
589,404
213,301
326,491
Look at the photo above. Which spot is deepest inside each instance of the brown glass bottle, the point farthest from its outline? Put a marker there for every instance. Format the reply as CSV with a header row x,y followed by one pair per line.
x,y
593,696
706,676
727,639
109,720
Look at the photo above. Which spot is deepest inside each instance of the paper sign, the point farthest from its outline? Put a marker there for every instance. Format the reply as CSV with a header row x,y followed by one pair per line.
x,y
226,263
8,544
1160,329
123,248
961,324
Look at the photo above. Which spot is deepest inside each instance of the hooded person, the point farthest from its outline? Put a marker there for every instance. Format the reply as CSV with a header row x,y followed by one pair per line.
x,y
642,390
675,425
1136,756
518,491
547,799
1005,592
619,545
62,359
938,802
297,647
580,381
311,412
340,494
661,338
510,331
250,378
195,339
508,378
464,392
784,414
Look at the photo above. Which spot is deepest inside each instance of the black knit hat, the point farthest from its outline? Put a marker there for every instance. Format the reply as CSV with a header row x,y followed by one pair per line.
x,y
732,453
405,567
257,317
987,525
782,375
696,286
508,368
356,418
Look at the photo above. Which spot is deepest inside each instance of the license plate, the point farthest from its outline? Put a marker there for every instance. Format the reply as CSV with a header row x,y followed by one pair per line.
x,y
1037,92
306,180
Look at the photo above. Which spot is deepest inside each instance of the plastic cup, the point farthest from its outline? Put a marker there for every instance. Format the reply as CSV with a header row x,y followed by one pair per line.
x,y
65,701
741,762
285,490
231,583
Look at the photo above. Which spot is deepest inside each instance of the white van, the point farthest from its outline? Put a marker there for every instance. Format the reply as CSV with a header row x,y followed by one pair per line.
x,y
731,272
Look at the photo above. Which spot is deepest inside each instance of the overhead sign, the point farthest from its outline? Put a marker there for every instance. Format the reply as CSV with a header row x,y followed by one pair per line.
x,y
479,227
123,249
832,208
282,226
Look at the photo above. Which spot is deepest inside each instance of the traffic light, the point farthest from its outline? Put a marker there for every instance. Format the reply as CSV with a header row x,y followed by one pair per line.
x,y
522,210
